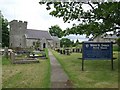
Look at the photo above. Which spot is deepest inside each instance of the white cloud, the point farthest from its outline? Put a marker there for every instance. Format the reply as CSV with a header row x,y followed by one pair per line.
x,y
75,37
31,11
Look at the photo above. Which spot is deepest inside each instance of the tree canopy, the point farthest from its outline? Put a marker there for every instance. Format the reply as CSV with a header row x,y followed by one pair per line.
x,y
118,42
100,18
56,31
5,31
65,42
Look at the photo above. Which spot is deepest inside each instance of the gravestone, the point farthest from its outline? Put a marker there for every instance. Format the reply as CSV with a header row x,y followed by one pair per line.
x,y
58,50
61,51
73,50
67,50
64,51
78,50
12,57
6,52
81,50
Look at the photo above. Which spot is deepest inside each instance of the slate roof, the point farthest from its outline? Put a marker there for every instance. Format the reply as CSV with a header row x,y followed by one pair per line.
x,y
55,38
37,34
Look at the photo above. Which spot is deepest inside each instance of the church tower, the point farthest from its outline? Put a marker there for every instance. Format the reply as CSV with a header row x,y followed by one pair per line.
x,y
17,34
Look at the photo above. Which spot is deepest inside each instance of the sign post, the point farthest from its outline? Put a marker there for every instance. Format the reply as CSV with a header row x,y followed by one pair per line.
x,y
97,51
82,64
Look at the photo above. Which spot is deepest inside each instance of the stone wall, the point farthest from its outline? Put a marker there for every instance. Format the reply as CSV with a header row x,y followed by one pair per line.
x,y
29,42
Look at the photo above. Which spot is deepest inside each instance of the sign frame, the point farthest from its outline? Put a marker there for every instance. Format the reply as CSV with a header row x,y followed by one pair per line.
x,y
104,58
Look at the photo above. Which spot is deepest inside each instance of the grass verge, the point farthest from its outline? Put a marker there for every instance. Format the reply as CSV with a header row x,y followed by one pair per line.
x,y
97,74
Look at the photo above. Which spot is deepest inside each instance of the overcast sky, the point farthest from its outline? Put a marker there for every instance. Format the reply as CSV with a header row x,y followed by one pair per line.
x,y
35,14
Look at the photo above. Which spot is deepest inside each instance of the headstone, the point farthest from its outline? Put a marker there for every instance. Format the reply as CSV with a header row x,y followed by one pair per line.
x,y
81,50
78,50
12,57
61,52
64,51
73,50
6,52
68,53
58,50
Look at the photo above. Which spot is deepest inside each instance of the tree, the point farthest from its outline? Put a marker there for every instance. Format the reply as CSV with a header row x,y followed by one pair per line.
x,y
56,31
65,42
100,18
118,42
77,42
5,31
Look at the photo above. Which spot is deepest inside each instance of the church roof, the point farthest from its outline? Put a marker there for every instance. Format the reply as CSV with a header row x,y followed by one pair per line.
x,y
37,34
55,38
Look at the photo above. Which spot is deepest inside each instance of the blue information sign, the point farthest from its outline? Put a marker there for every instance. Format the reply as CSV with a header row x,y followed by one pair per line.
x,y
97,50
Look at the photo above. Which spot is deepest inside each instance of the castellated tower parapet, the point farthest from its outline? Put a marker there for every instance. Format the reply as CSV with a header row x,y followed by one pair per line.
x,y
18,27
17,33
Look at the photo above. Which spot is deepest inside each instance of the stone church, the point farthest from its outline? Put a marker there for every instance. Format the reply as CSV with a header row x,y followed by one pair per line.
x,y
21,37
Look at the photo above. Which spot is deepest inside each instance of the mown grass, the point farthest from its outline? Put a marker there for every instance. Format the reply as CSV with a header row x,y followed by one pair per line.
x,y
115,48
97,73
34,75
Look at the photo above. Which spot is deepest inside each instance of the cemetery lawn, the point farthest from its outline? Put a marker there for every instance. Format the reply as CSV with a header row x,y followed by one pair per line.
x,y
34,75
96,74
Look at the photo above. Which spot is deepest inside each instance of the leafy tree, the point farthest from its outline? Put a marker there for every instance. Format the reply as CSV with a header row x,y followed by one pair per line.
x,y
101,18
77,42
5,31
72,43
65,42
56,31
118,42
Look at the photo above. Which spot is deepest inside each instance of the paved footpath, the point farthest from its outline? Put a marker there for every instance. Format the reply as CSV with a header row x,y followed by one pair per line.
x,y
59,78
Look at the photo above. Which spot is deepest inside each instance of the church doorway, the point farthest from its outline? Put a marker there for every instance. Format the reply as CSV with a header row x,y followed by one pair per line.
x,y
44,45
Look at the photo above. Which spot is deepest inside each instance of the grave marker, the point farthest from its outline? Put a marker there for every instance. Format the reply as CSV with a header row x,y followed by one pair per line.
x,y
12,57
6,52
